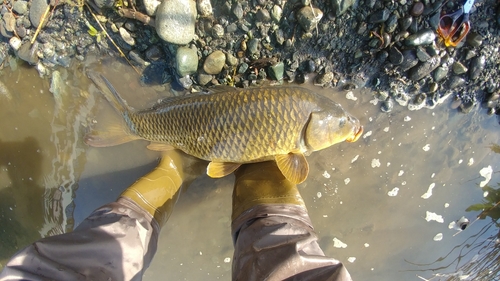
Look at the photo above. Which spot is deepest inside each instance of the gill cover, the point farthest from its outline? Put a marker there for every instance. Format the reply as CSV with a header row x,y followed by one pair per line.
x,y
325,129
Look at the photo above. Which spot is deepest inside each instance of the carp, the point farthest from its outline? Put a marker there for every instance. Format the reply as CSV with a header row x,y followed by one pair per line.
x,y
233,126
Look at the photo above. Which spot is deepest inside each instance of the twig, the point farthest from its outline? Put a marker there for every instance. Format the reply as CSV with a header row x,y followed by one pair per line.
x,y
42,20
110,39
133,14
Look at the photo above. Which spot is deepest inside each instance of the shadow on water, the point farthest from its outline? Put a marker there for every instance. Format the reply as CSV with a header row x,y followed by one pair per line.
x,y
21,201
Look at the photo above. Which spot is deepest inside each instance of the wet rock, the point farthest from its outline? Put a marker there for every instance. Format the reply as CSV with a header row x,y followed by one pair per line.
x,y
21,31
309,18
422,55
421,70
310,66
151,6
204,8
175,21
418,102
391,24
9,22
27,52
434,20
154,53
466,107
474,39
409,59
324,79
440,73
387,105
402,98
277,70
340,6
214,62
379,16
395,56
458,68
423,37
476,67
417,9
456,82
433,87
20,7
405,23
186,61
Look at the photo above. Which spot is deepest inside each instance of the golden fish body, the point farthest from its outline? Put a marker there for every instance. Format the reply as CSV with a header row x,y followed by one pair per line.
x,y
235,126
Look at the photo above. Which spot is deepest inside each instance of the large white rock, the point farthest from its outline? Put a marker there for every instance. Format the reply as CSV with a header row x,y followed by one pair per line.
x,y
175,21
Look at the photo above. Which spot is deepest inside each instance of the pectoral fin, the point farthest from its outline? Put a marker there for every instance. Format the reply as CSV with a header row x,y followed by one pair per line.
x,y
160,147
293,166
221,169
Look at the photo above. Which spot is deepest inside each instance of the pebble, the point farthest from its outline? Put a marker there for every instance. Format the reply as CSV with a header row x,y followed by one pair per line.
x,y
214,62
309,18
409,59
404,23
20,7
402,98
263,15
387,105
474,39
379,16
243,68
276,13
277,70
237,10
391,23
424,69
440,73
154,53
459,68
103,3
185,82
15,43
422,37
217,31
340,6
27,52
186,61
456,82
126,36
204,79
253,46
434,20
476,67
9,22
231,60
422,54
417,9
150,6
175,21
204,8
395,56
324,79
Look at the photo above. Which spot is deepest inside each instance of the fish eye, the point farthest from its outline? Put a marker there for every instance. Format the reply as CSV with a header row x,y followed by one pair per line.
x,y
342,122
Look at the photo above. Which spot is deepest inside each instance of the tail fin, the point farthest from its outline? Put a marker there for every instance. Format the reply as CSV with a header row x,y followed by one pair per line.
x,y
109,92
113,131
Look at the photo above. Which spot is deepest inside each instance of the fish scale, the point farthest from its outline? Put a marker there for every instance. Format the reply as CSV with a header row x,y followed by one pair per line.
x,y
239,126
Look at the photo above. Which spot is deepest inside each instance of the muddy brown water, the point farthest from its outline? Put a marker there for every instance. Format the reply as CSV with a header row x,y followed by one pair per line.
x,y
384,206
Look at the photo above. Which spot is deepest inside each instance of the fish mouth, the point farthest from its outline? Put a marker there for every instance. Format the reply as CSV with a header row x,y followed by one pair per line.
x,y
356,135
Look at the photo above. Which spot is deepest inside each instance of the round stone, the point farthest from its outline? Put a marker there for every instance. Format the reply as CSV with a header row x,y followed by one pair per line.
x,y
417,9
214,62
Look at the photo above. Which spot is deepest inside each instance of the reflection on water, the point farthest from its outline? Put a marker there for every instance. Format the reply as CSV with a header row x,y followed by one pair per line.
x,y
384,205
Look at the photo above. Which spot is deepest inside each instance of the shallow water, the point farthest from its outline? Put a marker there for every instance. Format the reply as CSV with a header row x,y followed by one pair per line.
x,y
365,198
